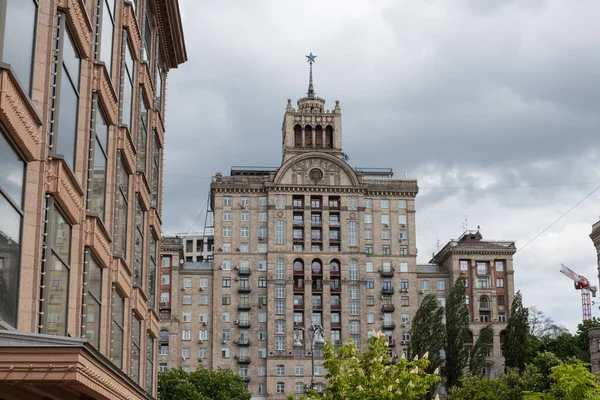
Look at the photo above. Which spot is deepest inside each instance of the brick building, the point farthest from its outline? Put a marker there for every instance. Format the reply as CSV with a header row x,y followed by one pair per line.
x,y
82,128
317,242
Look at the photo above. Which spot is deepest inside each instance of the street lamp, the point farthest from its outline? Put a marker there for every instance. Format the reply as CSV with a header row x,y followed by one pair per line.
x,y
315,332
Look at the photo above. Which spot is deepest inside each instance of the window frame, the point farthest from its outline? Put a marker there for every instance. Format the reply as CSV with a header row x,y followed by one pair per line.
x,y
89,259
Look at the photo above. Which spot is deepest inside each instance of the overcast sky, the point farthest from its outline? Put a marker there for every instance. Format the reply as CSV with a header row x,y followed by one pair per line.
x,y
492,105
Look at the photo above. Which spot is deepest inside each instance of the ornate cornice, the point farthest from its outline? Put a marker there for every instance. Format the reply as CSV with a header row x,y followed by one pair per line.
x,y
101,84
62,185
80,24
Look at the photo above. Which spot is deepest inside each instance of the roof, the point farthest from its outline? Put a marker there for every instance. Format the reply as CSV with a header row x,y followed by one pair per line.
x,y
25,339
431,269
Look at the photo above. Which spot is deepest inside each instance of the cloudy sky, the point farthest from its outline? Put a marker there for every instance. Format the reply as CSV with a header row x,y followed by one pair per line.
x,y
492,105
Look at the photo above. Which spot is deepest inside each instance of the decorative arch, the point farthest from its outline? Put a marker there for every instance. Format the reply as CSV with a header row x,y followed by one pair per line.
x,y
289,164
298,139
484,302
334,267
163,336
316,267
298,265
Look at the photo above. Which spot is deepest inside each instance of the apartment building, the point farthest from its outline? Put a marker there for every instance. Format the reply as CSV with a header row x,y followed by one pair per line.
x,y
82,128
594,334
317,243
198,247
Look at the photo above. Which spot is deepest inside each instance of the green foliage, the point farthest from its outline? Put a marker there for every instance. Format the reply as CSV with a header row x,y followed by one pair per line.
x,y
569,381
457,333
202,384
583,342
369,375
516,339
428,333
481,350
506,387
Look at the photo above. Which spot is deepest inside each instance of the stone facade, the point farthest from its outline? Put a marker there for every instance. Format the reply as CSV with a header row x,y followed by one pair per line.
x,y
594,333
317,241
81,140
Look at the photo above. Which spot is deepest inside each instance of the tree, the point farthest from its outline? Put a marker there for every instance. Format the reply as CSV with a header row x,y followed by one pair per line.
x,y
583,341
516,337
202,384
569,381
542,326
372,375
505,387
481,350
457,333
428,333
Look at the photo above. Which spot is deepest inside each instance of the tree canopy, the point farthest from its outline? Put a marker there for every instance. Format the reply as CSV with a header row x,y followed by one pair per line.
x,y
202,384
516,339
457,333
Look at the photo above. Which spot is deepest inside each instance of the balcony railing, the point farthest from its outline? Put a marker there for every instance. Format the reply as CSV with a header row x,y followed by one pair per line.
x,y
389,325
244,271
243,359
386,273
242,342
387,290
388,308
244,306
244,289
244,323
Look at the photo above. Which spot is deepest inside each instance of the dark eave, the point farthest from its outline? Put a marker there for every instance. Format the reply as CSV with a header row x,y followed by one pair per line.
x,y
172,28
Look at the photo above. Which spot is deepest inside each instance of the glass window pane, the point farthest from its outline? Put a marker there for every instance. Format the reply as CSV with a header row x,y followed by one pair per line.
x,y
13,172
10,234
19,32
107,28
66,134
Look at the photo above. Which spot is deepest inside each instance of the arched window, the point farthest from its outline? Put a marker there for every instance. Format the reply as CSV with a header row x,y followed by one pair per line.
x,y
164,336
280,269
484,302
298,266
329,137
319,136
308,136
470,338
298,136
353,270
334,267
317,267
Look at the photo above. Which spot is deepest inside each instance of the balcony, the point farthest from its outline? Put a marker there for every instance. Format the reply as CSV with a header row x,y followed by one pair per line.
x,y
244,306
243,359
244,324
298,307
317,286
242,342
316,222
386,273
391,342
387,290
246,378
244,289
335,288
244,271
298,222
389,325
387,308
336,307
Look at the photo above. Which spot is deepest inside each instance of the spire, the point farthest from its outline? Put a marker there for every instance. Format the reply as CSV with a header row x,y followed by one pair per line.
x,y
311,90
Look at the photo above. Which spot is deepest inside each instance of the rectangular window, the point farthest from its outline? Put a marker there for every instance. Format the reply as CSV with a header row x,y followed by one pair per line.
x,y
501,317
57,267
155,168
152,272
147,35
299,370
127,78
244,232
464,265
441,285
370,300
138,244
64,108
92,304
280,232
369,266
385,234
499,266
403,267
404,301
226,215
481,268
385,204
352,203
164,297
262,201
280,201
368,203
136,342
143,129
500,282
370,284
352,233
203,299
368,234
262,217
401,204
187,282
186,334
385,219
187,299
226,231
402,220
279,342
117,328
96,194
500,300
226,282
368,218
244,216
203,283
226,299
370,318
227,200
425,285
121,207
165,279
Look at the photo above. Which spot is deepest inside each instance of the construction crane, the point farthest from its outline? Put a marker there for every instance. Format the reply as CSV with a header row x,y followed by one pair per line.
x,y
583,284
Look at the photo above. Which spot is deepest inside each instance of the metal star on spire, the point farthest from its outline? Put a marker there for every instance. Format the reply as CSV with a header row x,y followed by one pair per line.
x,y
311,89
311,58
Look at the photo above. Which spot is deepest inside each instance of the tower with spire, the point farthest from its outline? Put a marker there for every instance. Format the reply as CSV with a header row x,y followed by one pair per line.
x,y
311,127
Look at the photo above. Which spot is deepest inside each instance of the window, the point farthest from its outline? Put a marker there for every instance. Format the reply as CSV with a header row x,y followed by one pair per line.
x,y
97,161
127,82
149,363
402,220
441,285
403,250
155,168
187,282
138,244
142,136
262,201
226,265
499,266
368,234
203,317
369,248
57,269
164,297
404,301
244,216
500,300
441,301
280,370
227,231
401,204
500,282
226,299
370,318
136,340
117,327
186,334
262,334
368,218
93,300
385,234
262,317
187,316
19,35
165,279
318,370
187,299
424,285
226,282
280,202
403,234
370,284
203,335
225,334
370,300
244,247
121,207
385,219
64,108
280,232
152,273
481,268
227,216
225,352
203,300
405,319
227,200
244,232
262,217
404,284
466,299
158,72
352,203
353,270
403,267
280,388
354,327
502,317
354,307
385,204
464,265
369,266
279,342
353,233
262,265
